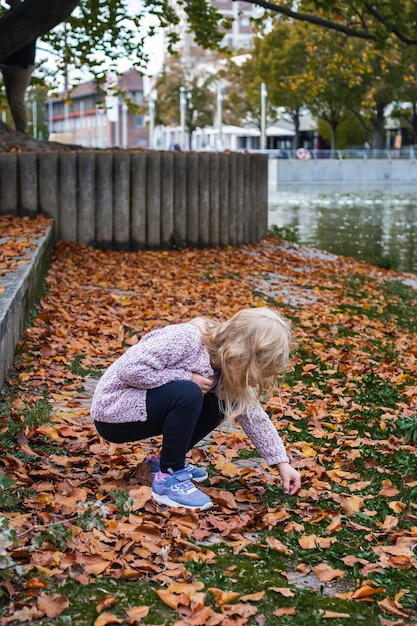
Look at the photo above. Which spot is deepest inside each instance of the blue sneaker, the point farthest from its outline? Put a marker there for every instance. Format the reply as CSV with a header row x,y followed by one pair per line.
x,y
177,490
197,474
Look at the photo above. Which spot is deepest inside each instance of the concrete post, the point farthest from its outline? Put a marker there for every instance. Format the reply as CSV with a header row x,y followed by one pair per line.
x,y
180,226
232,184
86,222
167,198
138,161
121,201
67,196
204,199
191,213
8,185
28,183
224,190
153,199
240,180
104,200
48,188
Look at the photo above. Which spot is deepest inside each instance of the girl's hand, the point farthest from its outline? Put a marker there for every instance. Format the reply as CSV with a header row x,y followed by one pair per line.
x,y
204,383
291,479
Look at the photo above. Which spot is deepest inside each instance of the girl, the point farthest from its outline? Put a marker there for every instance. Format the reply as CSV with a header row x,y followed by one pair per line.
x,y
181,381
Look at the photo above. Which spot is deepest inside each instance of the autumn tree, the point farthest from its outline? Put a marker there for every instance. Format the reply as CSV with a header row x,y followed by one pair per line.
x,y
336,63
405,108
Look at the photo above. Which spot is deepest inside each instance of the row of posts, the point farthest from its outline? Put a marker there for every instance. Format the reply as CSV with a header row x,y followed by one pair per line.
x,y
127,200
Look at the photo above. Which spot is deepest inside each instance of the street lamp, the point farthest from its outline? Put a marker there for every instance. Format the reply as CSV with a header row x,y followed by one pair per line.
x,y
152,100
183,106
220,117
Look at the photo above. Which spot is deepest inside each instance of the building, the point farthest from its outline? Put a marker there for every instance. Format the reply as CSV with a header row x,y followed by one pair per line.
x,y
241,34
88,118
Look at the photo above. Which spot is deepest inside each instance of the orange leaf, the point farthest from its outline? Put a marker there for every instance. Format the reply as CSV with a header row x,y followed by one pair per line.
x,y
136,613
284,611
326,573
253,597
107,618
389,523
169,598
52,605
230,470
390,606
223,597
366,591
283,591
276,544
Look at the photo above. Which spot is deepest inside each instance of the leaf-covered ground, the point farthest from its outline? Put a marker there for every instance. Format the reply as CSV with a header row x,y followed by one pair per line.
x,y
81,539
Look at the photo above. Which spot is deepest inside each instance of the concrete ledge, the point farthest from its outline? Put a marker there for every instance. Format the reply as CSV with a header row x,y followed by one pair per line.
x,y
22,286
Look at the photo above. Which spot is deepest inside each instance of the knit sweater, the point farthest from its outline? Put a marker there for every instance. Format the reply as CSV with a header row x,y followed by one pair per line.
x,y
165,355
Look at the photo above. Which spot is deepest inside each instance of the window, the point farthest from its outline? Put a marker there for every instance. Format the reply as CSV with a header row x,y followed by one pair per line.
x,y
139,121
138,97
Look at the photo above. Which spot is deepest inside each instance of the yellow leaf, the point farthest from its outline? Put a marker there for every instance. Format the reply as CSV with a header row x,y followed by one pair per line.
x,y
332,614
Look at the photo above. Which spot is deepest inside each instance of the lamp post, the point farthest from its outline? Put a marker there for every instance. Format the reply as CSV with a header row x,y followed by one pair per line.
x,y
152,100
264,95
183,106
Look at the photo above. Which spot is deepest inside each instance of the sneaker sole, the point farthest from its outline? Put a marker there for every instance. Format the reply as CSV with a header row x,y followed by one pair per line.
x,y
168,502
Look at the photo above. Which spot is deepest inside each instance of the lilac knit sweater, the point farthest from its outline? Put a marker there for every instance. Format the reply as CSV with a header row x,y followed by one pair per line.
x,y
162,356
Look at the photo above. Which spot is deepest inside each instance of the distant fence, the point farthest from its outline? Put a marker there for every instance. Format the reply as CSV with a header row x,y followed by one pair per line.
x,y
303,154
131,200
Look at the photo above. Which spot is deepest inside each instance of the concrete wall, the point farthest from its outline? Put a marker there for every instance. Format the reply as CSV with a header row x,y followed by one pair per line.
x,y
21,289
130,200
283,171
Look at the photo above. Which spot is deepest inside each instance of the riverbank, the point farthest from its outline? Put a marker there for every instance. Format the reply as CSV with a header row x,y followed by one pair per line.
x,y
105,553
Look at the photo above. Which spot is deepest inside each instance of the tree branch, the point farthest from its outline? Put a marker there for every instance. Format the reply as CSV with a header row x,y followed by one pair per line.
x,y
314,19
31,19
381,19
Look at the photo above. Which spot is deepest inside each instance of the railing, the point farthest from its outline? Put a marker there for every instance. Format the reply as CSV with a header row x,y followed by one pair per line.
x,y
304,154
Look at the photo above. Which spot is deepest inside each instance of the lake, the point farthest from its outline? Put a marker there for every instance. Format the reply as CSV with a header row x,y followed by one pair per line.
x,y
368,223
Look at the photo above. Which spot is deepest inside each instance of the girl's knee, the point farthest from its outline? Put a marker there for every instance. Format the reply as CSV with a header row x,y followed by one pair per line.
x,y
190,392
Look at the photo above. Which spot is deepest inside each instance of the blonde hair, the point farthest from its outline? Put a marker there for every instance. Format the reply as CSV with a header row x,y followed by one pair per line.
x,y
248,349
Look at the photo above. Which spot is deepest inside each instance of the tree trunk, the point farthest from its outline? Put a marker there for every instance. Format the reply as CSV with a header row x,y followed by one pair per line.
x,y
333,127
378,128
31,19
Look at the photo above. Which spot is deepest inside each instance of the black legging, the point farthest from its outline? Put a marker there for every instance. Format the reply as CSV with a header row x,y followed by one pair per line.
x,y
179,412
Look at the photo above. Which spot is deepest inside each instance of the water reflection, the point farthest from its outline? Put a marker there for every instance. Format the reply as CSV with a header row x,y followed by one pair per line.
x,y
378,225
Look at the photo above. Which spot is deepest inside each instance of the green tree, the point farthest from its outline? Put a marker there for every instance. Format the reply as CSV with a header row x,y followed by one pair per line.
x,y
199,94
242,94
405,108
280,60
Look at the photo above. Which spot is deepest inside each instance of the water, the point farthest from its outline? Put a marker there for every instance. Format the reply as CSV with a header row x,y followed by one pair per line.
x,y
373,224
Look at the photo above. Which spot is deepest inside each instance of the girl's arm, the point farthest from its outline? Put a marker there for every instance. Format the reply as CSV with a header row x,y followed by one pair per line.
x,y
263,434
